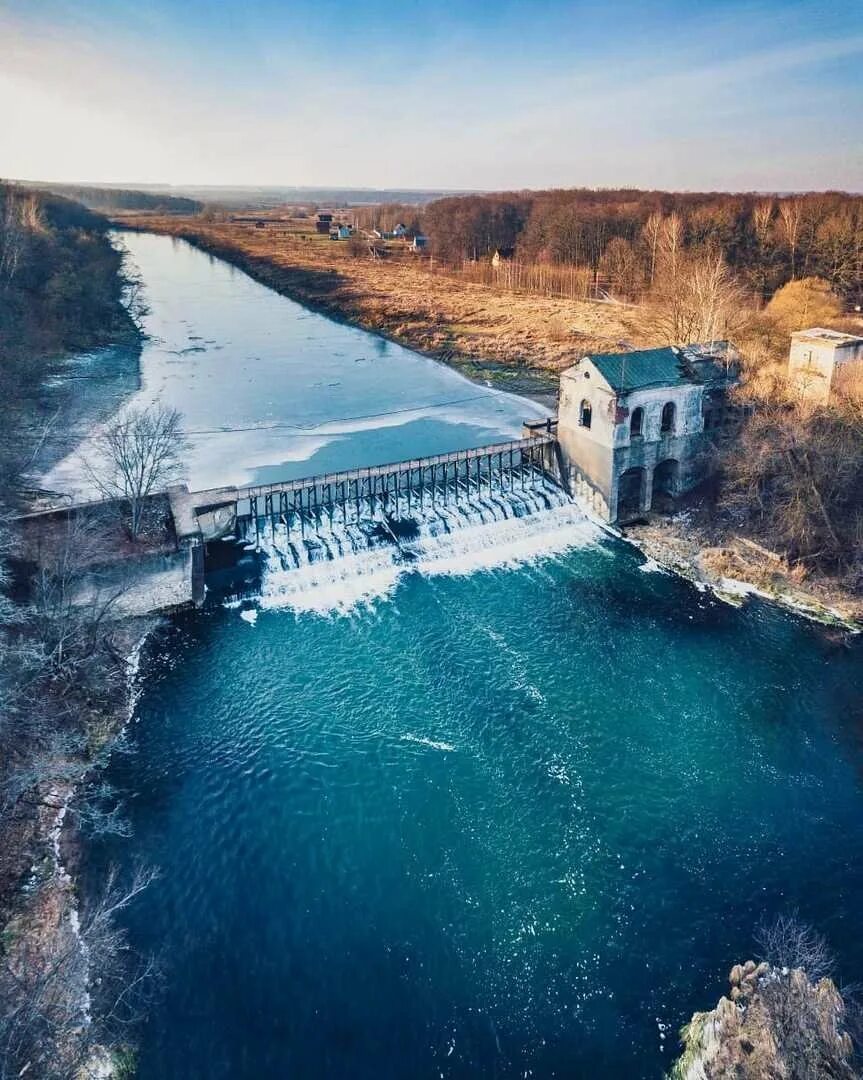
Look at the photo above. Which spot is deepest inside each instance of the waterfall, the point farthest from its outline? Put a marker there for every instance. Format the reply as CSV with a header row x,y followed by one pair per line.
x,y
356,555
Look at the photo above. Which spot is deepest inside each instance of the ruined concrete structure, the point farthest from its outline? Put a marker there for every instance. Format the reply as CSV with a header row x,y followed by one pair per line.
x,y
823,362
636,429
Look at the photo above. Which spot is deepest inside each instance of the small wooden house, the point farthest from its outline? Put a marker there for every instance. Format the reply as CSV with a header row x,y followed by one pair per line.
x,y
502,255
323,223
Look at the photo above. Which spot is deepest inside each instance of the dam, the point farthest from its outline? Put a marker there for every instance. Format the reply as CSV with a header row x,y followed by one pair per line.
x,y
401,506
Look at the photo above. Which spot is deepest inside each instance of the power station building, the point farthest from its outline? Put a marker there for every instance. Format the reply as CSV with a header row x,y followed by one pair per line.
x,y
637,429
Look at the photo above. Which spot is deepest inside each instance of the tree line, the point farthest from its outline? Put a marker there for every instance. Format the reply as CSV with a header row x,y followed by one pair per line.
x,y
765,240
111,200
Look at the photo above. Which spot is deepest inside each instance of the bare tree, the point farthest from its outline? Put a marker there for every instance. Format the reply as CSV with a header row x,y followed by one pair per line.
x,y
651,233
671,243
13,237
138,455
622,266
796,476
787,942
807,1017
696,298
791,216
762,216
46,1027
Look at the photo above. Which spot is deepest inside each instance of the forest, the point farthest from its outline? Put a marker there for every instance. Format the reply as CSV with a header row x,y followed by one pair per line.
x,y
61,288
616,235
113,200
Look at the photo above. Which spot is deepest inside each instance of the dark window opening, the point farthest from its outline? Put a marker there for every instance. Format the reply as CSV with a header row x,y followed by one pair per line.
x,y
636,424
629,494
667,418
585,414
665,483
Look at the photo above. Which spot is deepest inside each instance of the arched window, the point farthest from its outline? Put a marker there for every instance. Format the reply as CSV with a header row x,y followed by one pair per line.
x,y
585,413
636,423
668,412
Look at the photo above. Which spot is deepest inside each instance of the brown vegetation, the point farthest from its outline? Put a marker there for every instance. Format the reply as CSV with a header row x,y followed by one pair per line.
x,y
617,235
784,1019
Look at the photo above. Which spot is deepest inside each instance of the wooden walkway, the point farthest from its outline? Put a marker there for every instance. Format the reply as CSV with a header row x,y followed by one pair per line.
x,y
521,447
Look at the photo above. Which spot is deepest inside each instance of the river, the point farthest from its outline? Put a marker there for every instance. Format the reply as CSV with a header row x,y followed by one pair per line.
x,y
510,816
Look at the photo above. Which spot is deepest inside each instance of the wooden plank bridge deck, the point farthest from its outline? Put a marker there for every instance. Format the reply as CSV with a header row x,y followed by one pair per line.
x,y
522,447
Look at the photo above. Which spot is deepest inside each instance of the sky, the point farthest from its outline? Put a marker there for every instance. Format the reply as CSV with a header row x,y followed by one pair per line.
x,y
676,94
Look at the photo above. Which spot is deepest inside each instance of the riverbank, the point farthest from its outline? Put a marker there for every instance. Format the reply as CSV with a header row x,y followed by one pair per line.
x,y
735,567
509,340
64,673
777,1021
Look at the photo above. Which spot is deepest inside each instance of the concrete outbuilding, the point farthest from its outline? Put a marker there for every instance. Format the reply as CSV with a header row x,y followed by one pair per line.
x,y
822,362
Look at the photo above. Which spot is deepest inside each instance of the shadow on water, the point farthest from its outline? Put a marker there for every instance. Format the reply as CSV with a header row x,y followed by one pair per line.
x,y
87,389
377,446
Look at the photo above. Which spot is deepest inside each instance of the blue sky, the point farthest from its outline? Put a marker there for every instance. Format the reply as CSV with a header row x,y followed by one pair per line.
x,y
675,94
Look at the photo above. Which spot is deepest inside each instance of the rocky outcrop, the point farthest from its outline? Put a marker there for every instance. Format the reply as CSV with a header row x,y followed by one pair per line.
x,y
775,1024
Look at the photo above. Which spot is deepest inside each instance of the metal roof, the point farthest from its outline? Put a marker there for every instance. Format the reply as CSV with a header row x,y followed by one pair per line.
x,y
642,369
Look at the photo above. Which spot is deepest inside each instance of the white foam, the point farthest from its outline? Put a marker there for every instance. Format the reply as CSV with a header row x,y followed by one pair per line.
x,y
250,616
336,587
338,568
446,747
651,566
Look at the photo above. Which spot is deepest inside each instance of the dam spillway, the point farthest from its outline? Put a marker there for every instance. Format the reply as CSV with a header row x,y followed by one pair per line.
x,y
390,492
332,541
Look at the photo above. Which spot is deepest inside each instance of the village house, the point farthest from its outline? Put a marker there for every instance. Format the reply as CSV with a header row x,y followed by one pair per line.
x,y
502,255
418,244
323,223
636,429
822,362
399,230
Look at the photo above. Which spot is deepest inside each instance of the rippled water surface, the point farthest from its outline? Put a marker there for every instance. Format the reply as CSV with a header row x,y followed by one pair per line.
x,y
515,822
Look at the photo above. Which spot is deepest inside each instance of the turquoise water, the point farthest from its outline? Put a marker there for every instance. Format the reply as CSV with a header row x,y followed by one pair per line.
x,y
516,823
508,814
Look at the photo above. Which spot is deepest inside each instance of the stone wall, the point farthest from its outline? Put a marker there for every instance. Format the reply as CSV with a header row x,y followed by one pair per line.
x,y
143,585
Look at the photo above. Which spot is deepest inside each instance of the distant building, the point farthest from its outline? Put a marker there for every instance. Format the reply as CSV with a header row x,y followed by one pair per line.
x,y
323,223
636,429
344,232
502,255
400,230
824,361
419,243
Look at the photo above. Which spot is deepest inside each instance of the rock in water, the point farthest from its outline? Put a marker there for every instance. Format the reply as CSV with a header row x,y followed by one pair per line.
x,y
775,1024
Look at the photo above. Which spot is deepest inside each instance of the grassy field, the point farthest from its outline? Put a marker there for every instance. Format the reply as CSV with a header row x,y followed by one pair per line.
x,y
512,339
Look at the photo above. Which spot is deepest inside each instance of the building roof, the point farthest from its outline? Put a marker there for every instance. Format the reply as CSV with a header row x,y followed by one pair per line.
x,y
642,369
830,337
